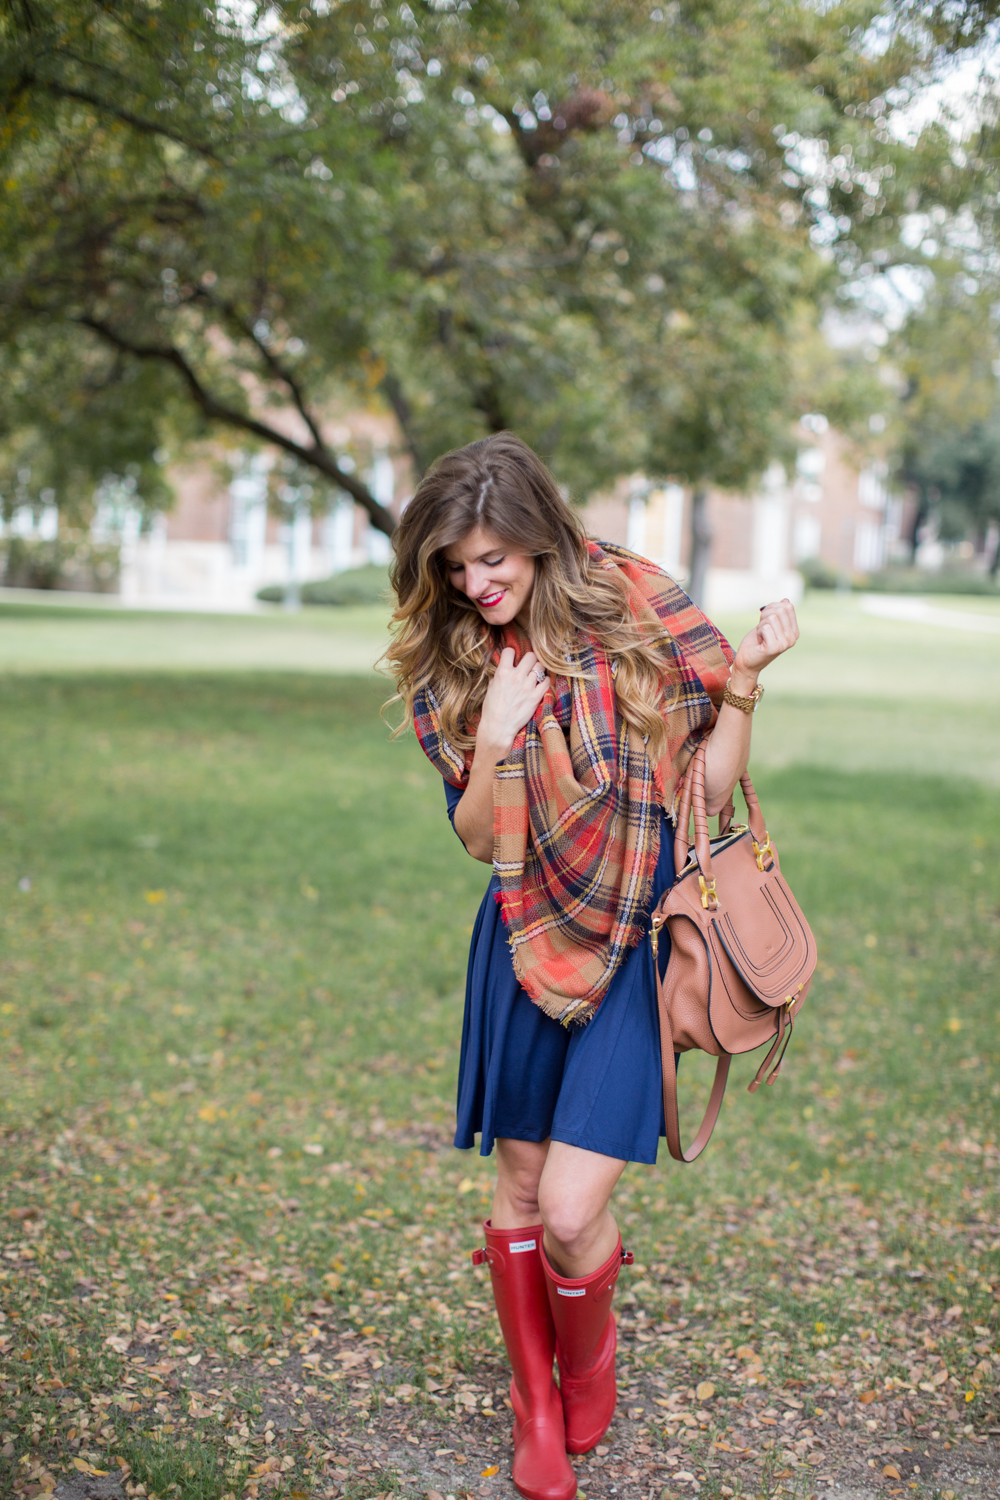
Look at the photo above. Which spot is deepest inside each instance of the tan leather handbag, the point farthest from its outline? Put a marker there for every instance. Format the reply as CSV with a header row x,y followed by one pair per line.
x,y
741,952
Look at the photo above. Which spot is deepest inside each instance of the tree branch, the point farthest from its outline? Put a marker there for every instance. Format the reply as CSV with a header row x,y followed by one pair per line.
x,y
272,362
150,127
317,456
396,398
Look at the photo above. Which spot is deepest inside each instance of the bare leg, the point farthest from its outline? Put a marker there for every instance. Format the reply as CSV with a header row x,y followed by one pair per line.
x,y
519,1168
573,1195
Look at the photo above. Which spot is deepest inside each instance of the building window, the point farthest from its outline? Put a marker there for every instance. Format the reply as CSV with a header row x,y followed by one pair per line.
x,y
807,537
871,486
869,547
809,465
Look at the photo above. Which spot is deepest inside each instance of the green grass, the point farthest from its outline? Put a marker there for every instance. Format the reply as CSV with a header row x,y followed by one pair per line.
x,y
858,693
230,1007
50,637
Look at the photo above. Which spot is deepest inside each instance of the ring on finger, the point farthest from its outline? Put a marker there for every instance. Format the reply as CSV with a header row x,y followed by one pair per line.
x,y
540,673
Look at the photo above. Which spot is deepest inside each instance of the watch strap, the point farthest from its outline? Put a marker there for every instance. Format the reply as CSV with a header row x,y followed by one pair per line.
x,y
746,705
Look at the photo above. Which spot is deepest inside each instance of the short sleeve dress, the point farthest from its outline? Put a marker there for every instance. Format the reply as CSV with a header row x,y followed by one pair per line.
x,y
524,1076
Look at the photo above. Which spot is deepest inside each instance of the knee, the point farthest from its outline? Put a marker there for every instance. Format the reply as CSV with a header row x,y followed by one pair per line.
x,y
567,1221
520,1188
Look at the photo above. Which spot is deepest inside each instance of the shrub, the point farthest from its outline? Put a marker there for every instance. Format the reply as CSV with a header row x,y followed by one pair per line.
x,y
63,562
817,574
917,581
357,586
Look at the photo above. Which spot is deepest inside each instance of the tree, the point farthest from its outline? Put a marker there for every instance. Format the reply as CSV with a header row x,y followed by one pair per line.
x,y
949,419
590,222
961,472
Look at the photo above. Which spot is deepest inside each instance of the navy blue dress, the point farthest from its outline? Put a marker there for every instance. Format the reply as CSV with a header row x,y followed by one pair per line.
x,y
524,1076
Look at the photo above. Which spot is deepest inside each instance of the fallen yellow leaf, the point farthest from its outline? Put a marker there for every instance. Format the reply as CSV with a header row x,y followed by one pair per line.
x,y
867,1397
488,1473
85,1468
891,1472
705,1391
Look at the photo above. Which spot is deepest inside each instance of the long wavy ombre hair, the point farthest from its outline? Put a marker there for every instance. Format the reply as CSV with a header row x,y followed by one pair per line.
x,y
439,637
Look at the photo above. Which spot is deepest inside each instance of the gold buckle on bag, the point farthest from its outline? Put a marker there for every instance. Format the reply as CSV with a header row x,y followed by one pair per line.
x,y
763,851
654,937
709,897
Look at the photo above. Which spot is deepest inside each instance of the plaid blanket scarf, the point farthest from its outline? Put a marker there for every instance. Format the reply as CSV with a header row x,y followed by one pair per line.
x,y
577,803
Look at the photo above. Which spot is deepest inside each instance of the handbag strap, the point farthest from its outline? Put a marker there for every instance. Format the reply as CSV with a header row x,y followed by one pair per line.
x,y
693,799
671,1117
681,841
702,840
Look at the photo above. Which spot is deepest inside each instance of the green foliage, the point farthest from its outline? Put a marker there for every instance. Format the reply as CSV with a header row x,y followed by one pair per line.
x,y
75,417
356,586
948,441
596,225
67,561
959,474
818,574
956,581
158,233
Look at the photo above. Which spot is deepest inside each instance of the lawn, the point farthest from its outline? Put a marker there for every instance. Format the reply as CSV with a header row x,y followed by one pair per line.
x,y
235,1235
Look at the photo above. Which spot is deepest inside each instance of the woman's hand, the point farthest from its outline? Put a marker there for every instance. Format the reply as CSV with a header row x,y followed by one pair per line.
x,y
728,747
511,700
776,631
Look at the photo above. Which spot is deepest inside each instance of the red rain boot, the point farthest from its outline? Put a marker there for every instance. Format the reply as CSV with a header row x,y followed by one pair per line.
x,y
586,1341
541,1469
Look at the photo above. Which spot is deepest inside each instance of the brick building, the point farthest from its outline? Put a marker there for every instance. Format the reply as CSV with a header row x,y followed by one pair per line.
x,y
828,509
219,544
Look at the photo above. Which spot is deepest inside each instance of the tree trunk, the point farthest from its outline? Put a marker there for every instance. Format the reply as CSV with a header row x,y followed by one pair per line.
x,y
920,516
701,545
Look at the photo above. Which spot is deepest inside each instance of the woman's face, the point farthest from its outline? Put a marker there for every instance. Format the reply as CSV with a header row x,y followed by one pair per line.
x,y
497,579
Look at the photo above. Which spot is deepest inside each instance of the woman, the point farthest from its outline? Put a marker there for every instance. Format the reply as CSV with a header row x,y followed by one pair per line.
x,y
560,687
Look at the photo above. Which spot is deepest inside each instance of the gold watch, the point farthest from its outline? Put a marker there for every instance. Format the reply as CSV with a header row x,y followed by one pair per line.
x,y
745,705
